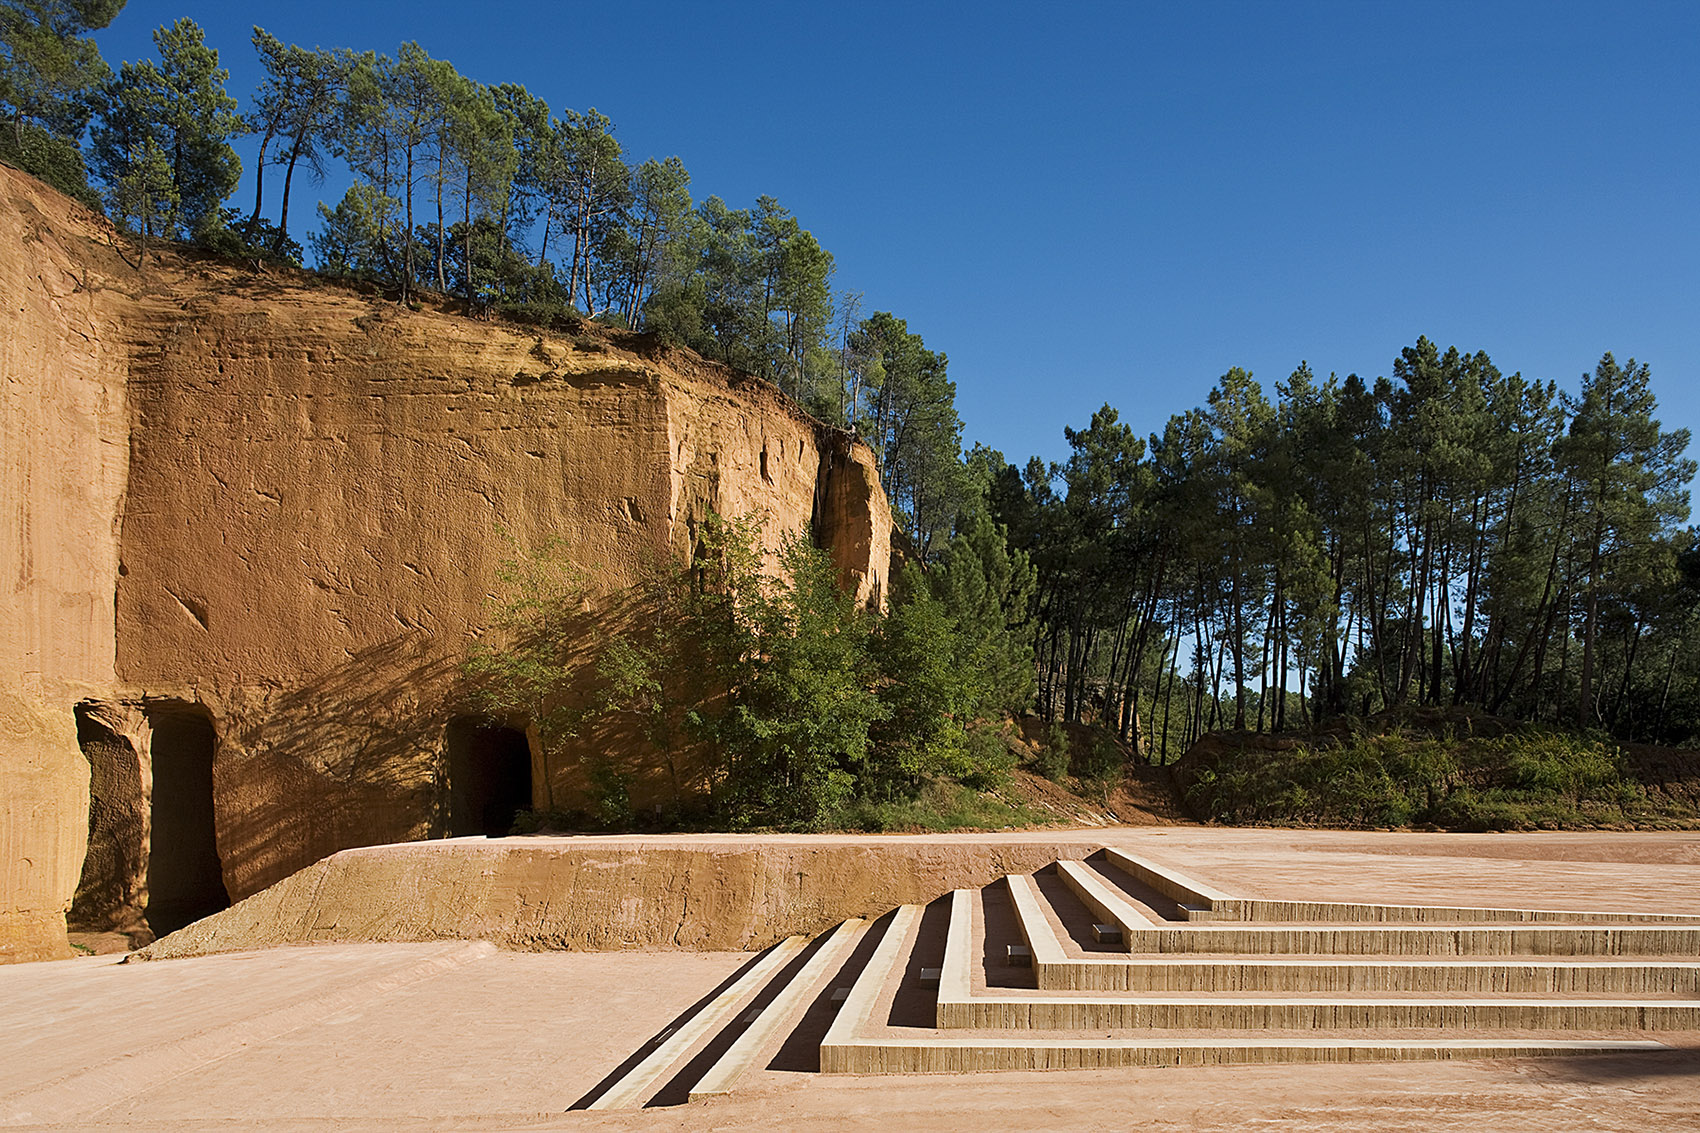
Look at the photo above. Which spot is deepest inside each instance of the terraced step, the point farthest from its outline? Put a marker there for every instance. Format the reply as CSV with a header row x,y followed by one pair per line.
x,y
979,1052
1051,1012
764,1030
1198,978
1198,901
635,1086
860,1042
1056,970
960,1005
1141,935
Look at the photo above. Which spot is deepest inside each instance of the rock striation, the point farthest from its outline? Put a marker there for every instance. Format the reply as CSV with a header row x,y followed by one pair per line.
x,y
252,521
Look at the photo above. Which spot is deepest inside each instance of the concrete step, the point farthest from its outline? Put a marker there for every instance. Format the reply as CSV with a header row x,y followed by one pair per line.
x,y
1045,1011
978,1052
1199,902
1056,970
842,1050
634,1087
1455,976
961,1005
860,1041
763,1033
1140,934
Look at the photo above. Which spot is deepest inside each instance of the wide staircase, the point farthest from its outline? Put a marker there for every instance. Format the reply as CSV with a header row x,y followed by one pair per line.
x,y
1121,961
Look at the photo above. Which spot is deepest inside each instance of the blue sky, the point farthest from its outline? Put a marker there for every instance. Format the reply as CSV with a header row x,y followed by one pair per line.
x,y
1116,203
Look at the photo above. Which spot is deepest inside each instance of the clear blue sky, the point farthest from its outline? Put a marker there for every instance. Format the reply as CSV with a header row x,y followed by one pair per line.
x,y
1094,203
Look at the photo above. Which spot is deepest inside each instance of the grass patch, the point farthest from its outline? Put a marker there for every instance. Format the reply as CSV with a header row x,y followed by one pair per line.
x,y
940,806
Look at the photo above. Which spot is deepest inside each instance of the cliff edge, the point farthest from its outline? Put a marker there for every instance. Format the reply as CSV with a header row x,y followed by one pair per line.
x,y
251,521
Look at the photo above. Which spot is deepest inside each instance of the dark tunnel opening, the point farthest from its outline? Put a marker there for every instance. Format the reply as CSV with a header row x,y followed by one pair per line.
x,y
185,879
489,777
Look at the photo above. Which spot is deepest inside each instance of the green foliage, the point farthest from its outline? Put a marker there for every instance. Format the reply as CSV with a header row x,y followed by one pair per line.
x,y
55,160
985,588
1529,778
1055,756
298,108
771,699
797,732
50,75
938,807
145,196
180,106
353,241
250,239
1101,762
610,796
904,405
1452,536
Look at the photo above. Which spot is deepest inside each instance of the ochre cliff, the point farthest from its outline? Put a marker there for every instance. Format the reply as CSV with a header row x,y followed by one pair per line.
x,y
256,518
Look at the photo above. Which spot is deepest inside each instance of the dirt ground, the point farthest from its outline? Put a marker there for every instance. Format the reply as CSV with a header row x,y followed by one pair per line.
x,y
460,1035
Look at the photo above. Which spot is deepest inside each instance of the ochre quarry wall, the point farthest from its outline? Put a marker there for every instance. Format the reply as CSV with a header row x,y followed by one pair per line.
x,y
277,508
63,447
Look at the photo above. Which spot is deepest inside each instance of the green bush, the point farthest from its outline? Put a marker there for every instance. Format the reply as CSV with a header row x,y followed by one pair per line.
x,y
1101,762
1054,760
939,806
610,796
53,159
1528,779
234,237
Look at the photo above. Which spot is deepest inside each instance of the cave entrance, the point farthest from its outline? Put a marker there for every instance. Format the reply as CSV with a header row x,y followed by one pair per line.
x,y
185,878
489,777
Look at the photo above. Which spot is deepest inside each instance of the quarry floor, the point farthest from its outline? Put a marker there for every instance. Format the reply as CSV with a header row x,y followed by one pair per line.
x,y
460,1035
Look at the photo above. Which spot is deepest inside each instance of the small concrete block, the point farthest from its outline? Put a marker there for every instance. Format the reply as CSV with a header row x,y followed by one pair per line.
x,y
840,994
930,976
1106,933
752,1016
1020,956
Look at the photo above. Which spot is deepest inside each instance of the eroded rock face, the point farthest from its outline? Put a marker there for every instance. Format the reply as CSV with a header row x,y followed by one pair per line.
x,y
63,456
112,892
284,505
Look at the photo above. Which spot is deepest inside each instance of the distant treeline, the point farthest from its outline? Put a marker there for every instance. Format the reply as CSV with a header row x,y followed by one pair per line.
x,y
1453,536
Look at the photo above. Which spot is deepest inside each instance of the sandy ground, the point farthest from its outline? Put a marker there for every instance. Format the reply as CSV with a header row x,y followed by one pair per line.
x,y
459,1035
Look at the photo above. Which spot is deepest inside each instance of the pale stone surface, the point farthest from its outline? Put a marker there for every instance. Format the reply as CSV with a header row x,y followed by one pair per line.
x,y
112,893
452,1036
705,892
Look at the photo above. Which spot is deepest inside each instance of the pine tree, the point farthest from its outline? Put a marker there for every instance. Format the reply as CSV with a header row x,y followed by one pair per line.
x,y
299,106
181,105
51,76
1631,485
145,195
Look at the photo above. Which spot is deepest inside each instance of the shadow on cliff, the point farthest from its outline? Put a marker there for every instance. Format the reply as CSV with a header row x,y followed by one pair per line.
x,y
352,757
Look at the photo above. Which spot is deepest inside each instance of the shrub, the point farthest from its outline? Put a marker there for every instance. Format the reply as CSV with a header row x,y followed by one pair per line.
x,y
1054,758
1531,778
53,159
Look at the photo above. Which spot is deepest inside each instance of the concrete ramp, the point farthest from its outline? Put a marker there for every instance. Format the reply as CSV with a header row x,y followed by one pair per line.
x,y
601,894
